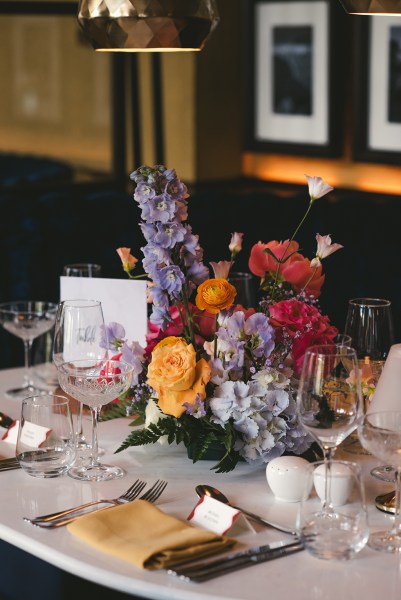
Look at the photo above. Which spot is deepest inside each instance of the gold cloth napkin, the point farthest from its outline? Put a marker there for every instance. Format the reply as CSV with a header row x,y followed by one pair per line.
x,y
140,533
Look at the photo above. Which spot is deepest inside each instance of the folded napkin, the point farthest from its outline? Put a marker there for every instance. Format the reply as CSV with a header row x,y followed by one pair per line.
x,y
143,535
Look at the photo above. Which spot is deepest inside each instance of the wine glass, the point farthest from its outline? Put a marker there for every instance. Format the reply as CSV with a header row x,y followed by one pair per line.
x,y
243,283
78,334
369,322
380,434
82,270
27,319
329,400
95,383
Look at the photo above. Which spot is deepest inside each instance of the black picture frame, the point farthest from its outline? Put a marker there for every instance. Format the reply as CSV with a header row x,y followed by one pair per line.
x,y
300,113
377,90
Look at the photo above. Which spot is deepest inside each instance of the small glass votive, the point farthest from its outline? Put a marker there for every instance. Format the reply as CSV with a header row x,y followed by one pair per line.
x,y
46,440
328,531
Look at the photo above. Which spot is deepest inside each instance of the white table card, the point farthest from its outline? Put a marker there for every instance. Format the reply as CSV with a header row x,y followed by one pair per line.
x,y
11,434
34,435
123,301
219,517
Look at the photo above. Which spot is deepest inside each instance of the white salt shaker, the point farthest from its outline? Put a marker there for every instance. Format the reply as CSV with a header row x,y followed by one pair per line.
x,y
342,481
286,477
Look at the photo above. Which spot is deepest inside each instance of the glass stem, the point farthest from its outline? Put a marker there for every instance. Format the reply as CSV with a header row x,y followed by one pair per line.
x,y
328,456
95,415
80,435
28,362
396,528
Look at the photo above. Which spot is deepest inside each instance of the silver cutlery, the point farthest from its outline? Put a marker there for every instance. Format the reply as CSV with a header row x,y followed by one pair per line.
x,y
64,517
208,490
8,464
209,569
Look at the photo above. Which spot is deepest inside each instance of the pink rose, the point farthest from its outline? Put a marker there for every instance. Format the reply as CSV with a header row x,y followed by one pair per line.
x,y
260,262
203,323
296,270
302,324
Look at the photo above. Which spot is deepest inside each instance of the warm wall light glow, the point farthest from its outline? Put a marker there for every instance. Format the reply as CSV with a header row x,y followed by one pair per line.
x,y
372,7
338,173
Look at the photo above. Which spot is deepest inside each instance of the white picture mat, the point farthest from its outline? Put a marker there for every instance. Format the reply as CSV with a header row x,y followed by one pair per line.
x,y
123,301
292,128
382,135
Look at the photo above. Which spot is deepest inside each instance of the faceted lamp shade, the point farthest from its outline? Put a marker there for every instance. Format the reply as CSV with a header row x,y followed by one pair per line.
x,y
147,25
372,7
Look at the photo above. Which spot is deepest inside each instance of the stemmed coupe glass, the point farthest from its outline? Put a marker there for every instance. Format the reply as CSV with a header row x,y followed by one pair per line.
x,y
329,400
27,319
95,383
369,323
78,335
380,434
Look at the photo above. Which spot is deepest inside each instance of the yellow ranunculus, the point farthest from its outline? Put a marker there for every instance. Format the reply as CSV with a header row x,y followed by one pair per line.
x,y
215,295
176,376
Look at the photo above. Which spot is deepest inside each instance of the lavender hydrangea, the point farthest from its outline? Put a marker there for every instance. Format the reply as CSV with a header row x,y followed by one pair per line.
x,y
262,411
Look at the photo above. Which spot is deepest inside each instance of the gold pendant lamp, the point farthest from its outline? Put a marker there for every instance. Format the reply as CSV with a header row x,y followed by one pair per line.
x,y
147,25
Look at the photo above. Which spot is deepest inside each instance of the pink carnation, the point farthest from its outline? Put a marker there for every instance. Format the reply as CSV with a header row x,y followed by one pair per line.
x,y
302,325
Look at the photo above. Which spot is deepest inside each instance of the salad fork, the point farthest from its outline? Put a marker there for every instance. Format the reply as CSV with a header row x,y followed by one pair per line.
x,y
132,492
150,495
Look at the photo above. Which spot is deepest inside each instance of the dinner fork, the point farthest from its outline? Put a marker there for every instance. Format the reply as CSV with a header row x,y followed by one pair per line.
x,y
132,492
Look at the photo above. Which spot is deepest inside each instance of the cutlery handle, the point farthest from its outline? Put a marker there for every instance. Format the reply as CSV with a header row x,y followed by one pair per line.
x,y
60,522
235,565
63,513
263,521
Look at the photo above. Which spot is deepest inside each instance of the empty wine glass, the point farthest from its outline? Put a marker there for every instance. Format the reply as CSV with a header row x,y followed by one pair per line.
x,y
78,335
27,319
95,383
329,400
380,434
243,283
82,270
369,322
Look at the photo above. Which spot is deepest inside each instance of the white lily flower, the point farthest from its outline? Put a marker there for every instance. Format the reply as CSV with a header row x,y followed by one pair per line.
x,y
317,187
324,248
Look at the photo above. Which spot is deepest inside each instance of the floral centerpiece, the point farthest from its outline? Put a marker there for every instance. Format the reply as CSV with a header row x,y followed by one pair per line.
x,y
213,371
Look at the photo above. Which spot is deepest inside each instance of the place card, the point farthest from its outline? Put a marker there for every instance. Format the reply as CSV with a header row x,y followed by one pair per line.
x,y
33,435
11,434
123,301
218,517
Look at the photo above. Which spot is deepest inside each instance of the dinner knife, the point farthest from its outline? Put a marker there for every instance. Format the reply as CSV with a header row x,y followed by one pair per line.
x,y
207,570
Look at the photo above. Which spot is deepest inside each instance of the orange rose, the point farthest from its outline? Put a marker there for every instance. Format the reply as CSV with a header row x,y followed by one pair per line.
x,y
176,376
215,295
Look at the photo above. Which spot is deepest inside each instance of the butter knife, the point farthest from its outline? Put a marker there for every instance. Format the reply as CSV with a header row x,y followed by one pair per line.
x,y
207,570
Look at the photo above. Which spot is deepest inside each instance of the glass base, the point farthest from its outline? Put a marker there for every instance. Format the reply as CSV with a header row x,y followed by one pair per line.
x,y
98,472
352,445
25,391
384,473
385,541
332,536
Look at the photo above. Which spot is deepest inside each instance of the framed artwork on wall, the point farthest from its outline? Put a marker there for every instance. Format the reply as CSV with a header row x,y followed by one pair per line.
x,y
377,105
292,85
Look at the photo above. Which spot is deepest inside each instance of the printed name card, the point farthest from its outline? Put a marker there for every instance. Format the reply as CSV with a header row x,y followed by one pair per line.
x,y
11,434
123,301
218,517
33,435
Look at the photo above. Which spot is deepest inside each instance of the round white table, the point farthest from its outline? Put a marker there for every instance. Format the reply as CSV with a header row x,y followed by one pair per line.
x,y
369,576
